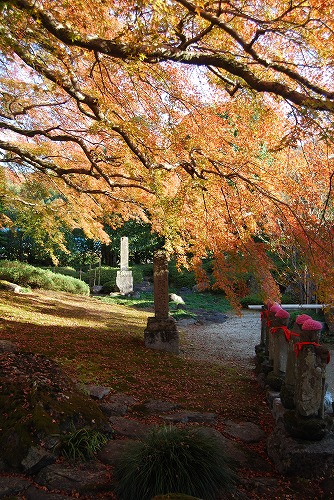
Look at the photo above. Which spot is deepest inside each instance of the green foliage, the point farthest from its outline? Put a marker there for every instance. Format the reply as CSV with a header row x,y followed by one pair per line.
x,y
82,444
173,460
105,275
29,276
66,271
180,278
109,287
251,299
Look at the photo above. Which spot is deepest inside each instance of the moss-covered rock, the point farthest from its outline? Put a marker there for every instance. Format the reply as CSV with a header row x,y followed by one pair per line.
x,y
38,403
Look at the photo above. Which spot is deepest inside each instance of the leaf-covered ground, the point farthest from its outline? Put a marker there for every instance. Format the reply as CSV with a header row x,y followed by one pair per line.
x,y
104,344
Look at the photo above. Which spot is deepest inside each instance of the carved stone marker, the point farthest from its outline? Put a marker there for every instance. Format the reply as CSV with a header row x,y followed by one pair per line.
x,y
161,332
307,421
124,278
288,387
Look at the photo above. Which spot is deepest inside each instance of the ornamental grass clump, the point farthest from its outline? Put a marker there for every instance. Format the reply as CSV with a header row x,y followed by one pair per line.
x,y
82,444
173,460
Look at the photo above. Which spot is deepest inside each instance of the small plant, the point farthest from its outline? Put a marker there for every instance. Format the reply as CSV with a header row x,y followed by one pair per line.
x,y
82,444
173,460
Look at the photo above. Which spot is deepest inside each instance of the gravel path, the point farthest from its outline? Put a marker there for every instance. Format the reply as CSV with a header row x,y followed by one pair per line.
x,y
232,342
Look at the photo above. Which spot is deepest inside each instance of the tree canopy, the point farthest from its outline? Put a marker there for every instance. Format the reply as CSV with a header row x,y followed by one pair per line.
x,y
210,120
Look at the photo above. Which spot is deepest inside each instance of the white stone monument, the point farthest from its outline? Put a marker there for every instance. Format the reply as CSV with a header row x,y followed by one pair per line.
x,y
124,278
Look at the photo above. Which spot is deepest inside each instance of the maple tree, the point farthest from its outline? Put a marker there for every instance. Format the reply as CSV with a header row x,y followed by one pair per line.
x,y
210,120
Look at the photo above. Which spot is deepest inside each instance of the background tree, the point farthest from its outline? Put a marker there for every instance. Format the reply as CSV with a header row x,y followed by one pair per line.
x,y
210,121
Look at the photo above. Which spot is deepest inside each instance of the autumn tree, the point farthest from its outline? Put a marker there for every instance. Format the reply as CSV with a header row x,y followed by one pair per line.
x,y
210,120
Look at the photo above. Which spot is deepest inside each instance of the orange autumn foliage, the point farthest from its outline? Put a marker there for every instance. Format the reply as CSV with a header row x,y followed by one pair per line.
x,y
211,121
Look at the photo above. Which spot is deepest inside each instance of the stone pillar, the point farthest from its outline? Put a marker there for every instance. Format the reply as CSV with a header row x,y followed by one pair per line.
x,y
278,348
260,349
307,421
263,359
161,331
124,278
288,386
124,264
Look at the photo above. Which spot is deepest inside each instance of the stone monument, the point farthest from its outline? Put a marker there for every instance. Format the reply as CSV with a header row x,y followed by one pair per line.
x,y
161,331
124,278
307,421
288,386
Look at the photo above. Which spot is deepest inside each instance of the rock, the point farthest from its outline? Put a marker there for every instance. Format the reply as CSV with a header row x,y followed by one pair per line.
x,y
117,405
190,416
12,486
129,428
301,458
84,478
145,286
176,299
245,431
7,346
112,451
308,428
11,287
278,410
155,406
36,459
263,487
232,450
96,391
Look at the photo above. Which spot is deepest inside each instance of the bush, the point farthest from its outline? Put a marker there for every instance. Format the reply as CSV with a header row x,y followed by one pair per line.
x,y
173,460
66,271
29,276
182,278
252,299
108,287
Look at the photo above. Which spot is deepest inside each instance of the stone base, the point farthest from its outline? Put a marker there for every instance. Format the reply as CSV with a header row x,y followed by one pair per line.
x,y
287,396
275,380
308,428
295,457
124,282
162,334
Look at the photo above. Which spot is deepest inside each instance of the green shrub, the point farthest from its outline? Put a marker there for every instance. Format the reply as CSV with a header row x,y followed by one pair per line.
x,y
108,287
66,271
82,444
29,276
182,278
173,460
252,299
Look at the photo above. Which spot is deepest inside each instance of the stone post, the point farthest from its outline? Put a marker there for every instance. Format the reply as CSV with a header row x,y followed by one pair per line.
x,y
263,359
161,331
260,349
288,386
279,335
124,278
307,421
124,264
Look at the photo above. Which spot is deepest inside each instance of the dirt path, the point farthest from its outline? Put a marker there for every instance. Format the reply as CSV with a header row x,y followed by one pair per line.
x,y
232,342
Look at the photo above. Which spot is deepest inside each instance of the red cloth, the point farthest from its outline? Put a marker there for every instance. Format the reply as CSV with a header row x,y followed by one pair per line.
x,y
288,333
299,346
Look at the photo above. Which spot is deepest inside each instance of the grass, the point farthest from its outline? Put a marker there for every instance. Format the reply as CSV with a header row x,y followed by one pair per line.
x,y
173,460
194,303
98,342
